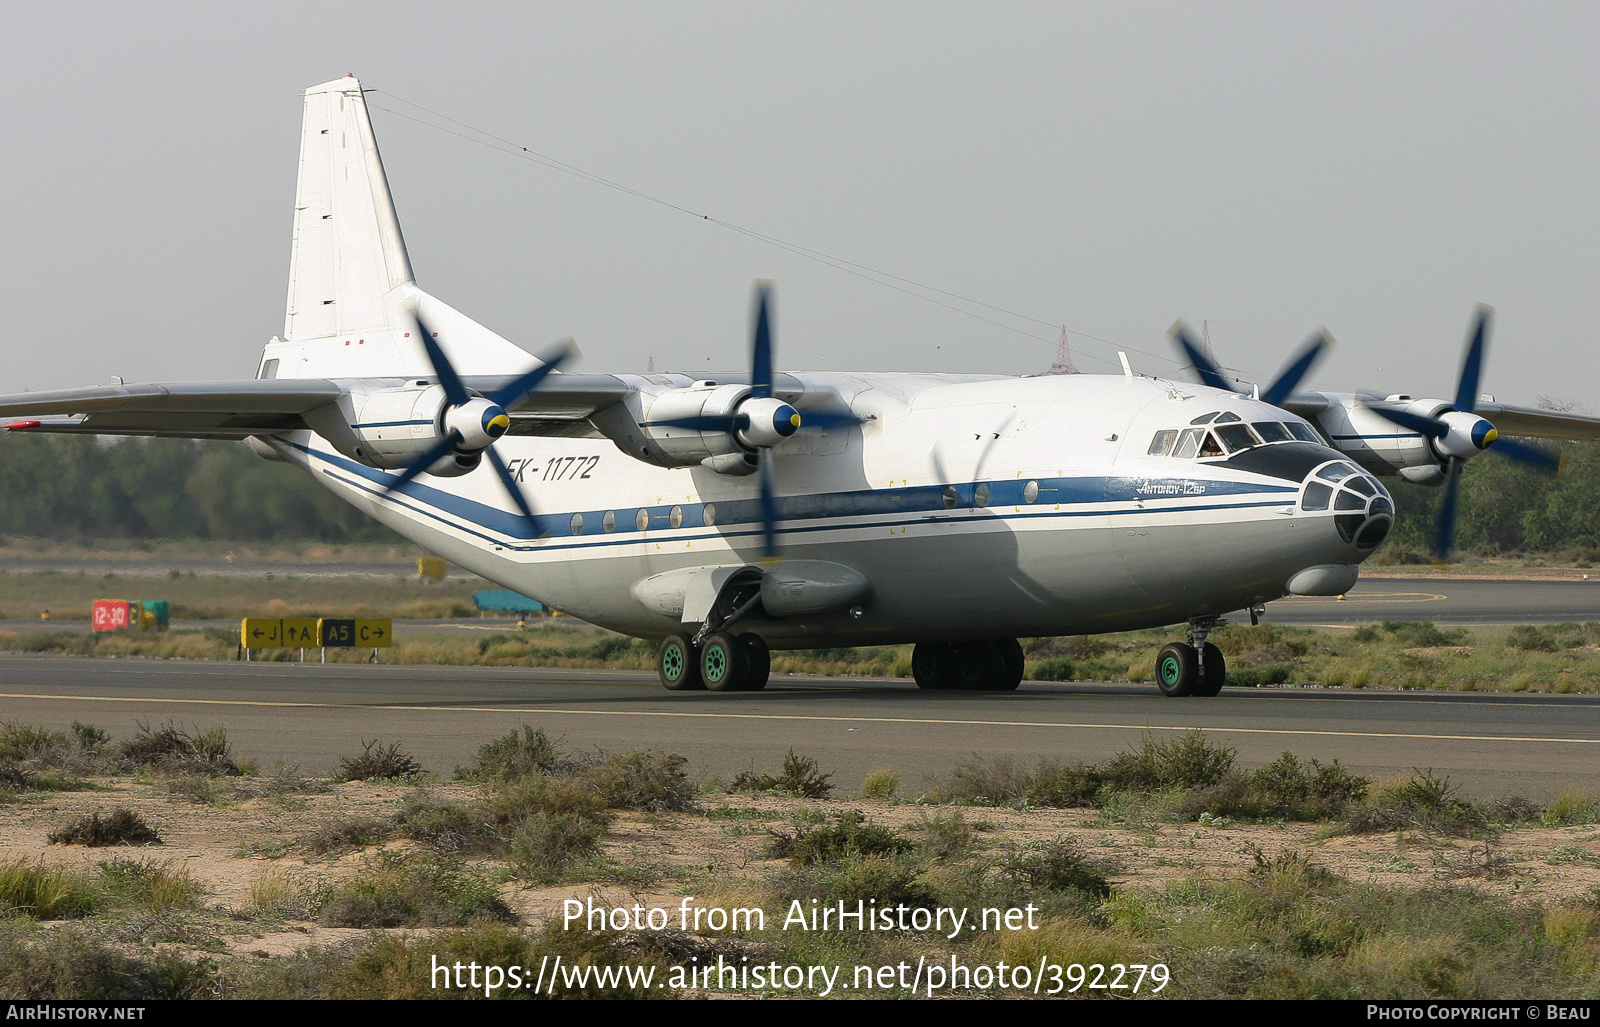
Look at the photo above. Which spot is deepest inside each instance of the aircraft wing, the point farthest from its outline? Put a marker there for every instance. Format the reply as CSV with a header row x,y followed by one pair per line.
x,y
239,409
1509,420
195,410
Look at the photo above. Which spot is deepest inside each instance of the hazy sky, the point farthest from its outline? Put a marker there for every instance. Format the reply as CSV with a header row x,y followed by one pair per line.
x,y
1375,168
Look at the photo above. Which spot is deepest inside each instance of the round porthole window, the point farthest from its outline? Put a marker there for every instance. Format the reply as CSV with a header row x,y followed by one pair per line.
x,y
980,496
609,521
950,497
675,518
1030,492
577,524
709,514
641,520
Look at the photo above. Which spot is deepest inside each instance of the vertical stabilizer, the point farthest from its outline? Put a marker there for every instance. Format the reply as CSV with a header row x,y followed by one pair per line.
x,y
351,290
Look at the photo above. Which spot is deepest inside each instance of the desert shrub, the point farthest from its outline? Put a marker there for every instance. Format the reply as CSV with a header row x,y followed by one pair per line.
x,y
1052,668
90,738
945,837
1422,634
398,890
343,834
150,885
1065,787
644,779
378,763
517,756
890,880
1059,865
881,783
1188,761
73,965
799,777
19,741
1570,806
1531,638
848,835
1425,800
978,780
45,893
168,749
118,827
1255,677
545,844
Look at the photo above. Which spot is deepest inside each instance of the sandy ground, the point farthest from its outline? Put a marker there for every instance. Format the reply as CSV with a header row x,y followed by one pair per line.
x,y
221,845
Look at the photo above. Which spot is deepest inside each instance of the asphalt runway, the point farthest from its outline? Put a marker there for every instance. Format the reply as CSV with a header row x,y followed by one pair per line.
x,y
1454,602
310,714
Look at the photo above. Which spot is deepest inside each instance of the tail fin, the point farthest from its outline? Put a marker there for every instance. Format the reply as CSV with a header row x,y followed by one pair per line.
x,y
351,290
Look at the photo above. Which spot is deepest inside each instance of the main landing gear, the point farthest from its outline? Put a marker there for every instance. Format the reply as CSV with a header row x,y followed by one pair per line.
x,y
968,666
723,662
1195,667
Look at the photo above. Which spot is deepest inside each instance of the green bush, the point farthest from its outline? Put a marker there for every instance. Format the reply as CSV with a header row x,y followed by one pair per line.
x,y
118,827
800,777
399,890
849,835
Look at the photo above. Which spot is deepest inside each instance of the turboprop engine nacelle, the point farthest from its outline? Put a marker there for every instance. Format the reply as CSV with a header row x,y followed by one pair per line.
x,y
1383,447
718,426
390,428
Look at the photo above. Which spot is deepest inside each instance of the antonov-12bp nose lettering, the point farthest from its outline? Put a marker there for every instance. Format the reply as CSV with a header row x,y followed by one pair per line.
x,y
728,514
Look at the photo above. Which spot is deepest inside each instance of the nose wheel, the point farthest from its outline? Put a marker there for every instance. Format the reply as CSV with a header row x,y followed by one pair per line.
x,y
1192,668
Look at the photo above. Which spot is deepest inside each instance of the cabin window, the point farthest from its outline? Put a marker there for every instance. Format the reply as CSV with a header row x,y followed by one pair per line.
x,y
950,497
709,514
1161,445
577,524
1030,491
675,517
608,523
641,520
980,496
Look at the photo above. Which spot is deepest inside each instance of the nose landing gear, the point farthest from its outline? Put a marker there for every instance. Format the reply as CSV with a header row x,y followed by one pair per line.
x,y
1195,667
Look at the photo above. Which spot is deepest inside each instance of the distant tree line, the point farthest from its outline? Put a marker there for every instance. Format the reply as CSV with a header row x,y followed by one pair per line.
x,y
69,485
75,486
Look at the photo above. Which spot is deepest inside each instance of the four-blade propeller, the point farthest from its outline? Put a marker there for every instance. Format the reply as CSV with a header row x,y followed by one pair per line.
x,y
1460,433
471,423
1282,386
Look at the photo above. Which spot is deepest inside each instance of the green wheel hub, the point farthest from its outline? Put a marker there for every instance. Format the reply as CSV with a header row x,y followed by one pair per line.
x,y
716,664
1171,671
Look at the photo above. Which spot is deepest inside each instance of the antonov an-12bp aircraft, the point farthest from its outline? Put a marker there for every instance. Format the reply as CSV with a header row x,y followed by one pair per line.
x,y
728,514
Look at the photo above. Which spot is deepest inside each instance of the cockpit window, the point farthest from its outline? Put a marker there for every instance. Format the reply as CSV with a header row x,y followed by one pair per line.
x,y
1303,432
1228,415
1205,418
1236,437
1271,431
1161,445
1209,446
1188,443
1336,472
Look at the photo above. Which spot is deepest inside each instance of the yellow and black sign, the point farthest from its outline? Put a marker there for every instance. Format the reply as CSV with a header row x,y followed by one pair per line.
x,y
368,633
260,633
304,632
299,631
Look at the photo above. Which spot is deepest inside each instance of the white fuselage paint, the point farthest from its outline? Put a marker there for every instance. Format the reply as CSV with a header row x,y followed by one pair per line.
x,y
1114,540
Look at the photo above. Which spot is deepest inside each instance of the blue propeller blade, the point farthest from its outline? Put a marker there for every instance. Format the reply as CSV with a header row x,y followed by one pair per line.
x,y
425,461
455,393
761,351
1428,426
520,387
1445,539
1522,453
1472,366
1210,373
1290,377
510,483
769,509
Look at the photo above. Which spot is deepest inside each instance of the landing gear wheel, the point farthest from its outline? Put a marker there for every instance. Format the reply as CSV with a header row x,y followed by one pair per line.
x,y
759,660
724,663
1177,669
677,665
1216,673
1015,666
933,665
